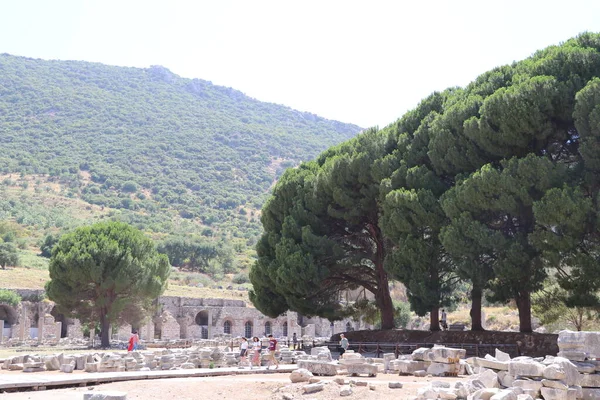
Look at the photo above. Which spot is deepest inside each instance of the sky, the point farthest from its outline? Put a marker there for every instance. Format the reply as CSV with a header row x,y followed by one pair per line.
x,y
363,62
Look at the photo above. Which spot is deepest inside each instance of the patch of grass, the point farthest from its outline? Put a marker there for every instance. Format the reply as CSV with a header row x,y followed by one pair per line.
x,y
196,292
30,259
23,278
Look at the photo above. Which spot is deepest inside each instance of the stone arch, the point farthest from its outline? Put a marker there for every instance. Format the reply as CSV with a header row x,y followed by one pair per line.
x,y
202,320
10,317
59,317
227,325
248,329
268,328
285,329
349,327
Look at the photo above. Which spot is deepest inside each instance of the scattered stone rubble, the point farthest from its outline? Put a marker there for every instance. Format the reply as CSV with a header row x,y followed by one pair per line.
x,y
146,360
573,374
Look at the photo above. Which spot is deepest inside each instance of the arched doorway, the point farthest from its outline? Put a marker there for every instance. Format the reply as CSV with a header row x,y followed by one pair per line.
x,y
248,329
227,327
268,329
58,317
202,321
9,316
285,329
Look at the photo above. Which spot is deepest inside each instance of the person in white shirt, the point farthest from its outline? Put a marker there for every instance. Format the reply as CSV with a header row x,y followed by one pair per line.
x,y
243,352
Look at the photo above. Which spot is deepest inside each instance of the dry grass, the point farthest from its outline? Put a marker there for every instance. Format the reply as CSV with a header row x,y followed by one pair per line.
x,y
496,318
196,292
23,278
32,278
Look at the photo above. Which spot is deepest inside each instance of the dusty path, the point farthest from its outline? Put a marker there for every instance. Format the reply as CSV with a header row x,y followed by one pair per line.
x,y
235,387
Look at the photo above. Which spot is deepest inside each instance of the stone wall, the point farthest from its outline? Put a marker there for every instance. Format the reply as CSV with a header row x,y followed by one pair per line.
x,y
178,318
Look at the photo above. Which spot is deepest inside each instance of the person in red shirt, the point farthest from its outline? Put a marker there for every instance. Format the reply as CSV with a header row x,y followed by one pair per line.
x,y
272,350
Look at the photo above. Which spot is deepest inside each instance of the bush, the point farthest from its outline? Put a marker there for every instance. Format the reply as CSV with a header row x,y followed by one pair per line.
x,y
9,297
241,278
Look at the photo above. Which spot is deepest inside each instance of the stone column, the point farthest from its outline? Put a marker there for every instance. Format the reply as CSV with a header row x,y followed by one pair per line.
x,y
210,323
1,331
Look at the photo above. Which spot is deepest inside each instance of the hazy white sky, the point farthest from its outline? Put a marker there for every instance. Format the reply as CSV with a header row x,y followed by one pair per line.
x,y
365,62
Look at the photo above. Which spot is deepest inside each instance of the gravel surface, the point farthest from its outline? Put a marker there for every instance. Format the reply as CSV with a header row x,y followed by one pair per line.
x,y
237,387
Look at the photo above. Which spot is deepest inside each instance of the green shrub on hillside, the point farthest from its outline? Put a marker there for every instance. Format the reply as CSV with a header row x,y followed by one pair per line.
x,y
9,297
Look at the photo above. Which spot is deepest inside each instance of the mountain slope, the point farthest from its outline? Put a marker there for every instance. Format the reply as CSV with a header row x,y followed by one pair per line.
x,y
151,143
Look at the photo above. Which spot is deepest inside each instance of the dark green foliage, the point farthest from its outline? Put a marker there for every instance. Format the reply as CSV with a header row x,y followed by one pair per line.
x,y
9,255
496,183
48,244
107,272
9,297
199,255
322,235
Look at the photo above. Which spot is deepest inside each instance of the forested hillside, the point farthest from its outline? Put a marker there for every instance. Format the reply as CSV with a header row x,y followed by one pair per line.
x,y
170,155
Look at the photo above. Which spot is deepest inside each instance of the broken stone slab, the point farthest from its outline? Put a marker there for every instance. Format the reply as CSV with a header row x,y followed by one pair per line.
x,y
590,393
575,355
562,369
302,375
91,367
420,373
52,363
504,394
505,379
108,395
526,368
441,354
319,367
491,363
427,392
590,380
580,341
313,388
585,367
529,386
524,396
558,394
67,368
15,367
345,390
420,354
502,356
484,394
357,369
554,384
447,394
489,379
408,366
395,385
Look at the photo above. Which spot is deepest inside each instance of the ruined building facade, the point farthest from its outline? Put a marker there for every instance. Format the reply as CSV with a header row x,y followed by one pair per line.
x,y
177,318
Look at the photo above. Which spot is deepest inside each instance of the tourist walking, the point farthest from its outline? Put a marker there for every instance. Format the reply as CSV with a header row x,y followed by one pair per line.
x,y
244,352
133,341
443,322
272,350
256,349
343,344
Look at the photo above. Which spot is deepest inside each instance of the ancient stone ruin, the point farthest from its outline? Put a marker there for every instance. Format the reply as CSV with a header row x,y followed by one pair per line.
x,y
178,319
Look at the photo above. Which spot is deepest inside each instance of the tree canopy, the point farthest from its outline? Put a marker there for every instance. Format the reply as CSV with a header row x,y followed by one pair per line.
x,y
495,184
322,236
106,272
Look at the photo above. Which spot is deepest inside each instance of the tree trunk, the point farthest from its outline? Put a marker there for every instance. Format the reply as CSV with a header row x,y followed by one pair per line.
x,y
105,327
383,298
523,300
385,305
434,319
475,313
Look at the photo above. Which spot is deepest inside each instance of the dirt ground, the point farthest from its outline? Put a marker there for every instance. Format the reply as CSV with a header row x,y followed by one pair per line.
x,y
275,386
